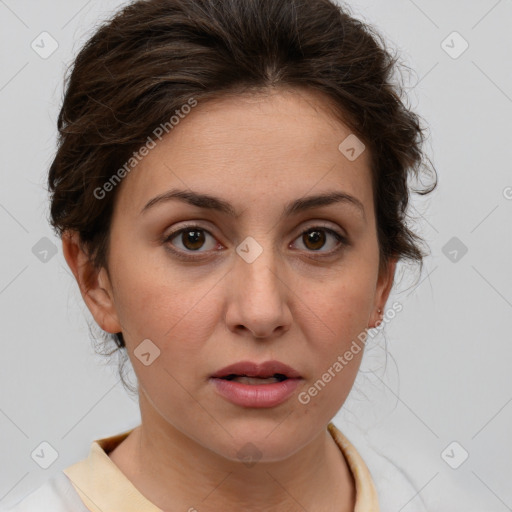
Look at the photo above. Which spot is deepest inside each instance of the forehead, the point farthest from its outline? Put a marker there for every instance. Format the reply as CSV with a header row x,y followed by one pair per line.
x,y
276,145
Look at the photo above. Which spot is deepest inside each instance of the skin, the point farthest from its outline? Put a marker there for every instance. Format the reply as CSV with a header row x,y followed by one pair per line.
x,y
257,152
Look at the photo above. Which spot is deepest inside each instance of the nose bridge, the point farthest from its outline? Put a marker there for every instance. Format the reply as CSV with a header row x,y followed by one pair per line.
x,y
259,297
258,265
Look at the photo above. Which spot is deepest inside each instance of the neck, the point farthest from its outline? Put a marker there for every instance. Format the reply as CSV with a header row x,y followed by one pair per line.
x,y
175,472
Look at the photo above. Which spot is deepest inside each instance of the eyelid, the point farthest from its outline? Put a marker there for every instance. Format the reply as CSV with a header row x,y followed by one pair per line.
x,y
179,252
190,255
325,225
187,225
342,239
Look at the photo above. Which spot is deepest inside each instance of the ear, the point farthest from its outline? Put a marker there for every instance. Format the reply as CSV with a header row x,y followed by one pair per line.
x,y
94,284
384,285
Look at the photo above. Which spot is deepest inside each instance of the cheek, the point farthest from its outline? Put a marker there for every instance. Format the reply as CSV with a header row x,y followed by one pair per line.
x,y
166,307
339,307
334,317
176,308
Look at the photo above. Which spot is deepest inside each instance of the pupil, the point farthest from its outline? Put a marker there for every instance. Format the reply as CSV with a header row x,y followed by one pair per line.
x,y
315,236
194,239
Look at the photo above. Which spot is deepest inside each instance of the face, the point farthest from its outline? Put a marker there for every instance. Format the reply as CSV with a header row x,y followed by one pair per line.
x,y
254,275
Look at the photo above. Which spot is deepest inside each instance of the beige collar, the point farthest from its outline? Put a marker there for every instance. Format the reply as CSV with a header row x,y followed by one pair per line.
x,y
103,487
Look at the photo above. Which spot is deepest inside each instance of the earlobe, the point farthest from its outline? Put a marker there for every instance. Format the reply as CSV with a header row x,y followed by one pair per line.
x,y
94,283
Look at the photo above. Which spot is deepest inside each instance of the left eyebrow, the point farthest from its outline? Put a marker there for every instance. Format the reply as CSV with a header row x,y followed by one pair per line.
x,y
215,203
310,202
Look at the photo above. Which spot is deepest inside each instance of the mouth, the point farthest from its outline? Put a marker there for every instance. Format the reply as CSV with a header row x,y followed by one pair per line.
x,y
249,372
249,384
244,379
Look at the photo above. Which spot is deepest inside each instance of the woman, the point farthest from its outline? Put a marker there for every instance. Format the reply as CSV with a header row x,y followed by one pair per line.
x,y
231,187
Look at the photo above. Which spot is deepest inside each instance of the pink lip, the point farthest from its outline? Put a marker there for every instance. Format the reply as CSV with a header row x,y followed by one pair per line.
x,y
250,369
256,395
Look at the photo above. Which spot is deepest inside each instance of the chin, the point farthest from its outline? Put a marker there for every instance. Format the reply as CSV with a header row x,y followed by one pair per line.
x,y
263,440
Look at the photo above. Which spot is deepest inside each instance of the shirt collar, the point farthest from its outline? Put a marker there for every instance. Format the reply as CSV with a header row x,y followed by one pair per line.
x,y
103,487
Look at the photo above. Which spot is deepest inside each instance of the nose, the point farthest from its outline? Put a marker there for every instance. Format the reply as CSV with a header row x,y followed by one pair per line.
x,y
259,293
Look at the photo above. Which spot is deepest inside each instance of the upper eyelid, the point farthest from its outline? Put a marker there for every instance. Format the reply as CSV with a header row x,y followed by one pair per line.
x,y
318,224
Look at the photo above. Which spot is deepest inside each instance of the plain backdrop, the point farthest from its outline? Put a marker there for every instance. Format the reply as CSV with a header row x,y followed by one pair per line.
x,y
434,395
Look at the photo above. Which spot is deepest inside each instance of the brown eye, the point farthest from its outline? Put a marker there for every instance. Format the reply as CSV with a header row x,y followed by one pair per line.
x,y
314,239
191,239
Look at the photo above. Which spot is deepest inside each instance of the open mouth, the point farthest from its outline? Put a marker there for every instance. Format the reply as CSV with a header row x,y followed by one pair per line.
x,y
244,379
256,385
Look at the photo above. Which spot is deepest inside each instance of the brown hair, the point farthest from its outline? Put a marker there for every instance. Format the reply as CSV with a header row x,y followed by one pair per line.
x,y
154,55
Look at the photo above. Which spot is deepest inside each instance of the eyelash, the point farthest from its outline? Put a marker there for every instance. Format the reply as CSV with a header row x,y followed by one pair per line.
x,y
193,227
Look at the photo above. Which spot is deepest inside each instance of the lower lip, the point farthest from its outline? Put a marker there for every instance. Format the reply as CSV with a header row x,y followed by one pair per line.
x,y
256,395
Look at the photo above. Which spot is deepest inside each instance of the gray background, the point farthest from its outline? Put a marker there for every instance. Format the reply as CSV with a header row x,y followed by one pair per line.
x,y
447,376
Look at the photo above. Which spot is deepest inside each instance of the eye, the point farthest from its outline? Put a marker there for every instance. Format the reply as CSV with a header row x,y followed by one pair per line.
x,y
191,238
315,238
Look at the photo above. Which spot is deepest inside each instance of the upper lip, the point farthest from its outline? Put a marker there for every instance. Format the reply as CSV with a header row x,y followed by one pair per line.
x,y
263,370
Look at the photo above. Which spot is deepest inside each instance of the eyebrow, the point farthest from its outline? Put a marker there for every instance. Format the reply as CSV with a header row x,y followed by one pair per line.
x,y
214,203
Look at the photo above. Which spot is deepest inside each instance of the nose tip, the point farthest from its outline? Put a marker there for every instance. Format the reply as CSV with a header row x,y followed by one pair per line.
x,y
259,300
260,334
